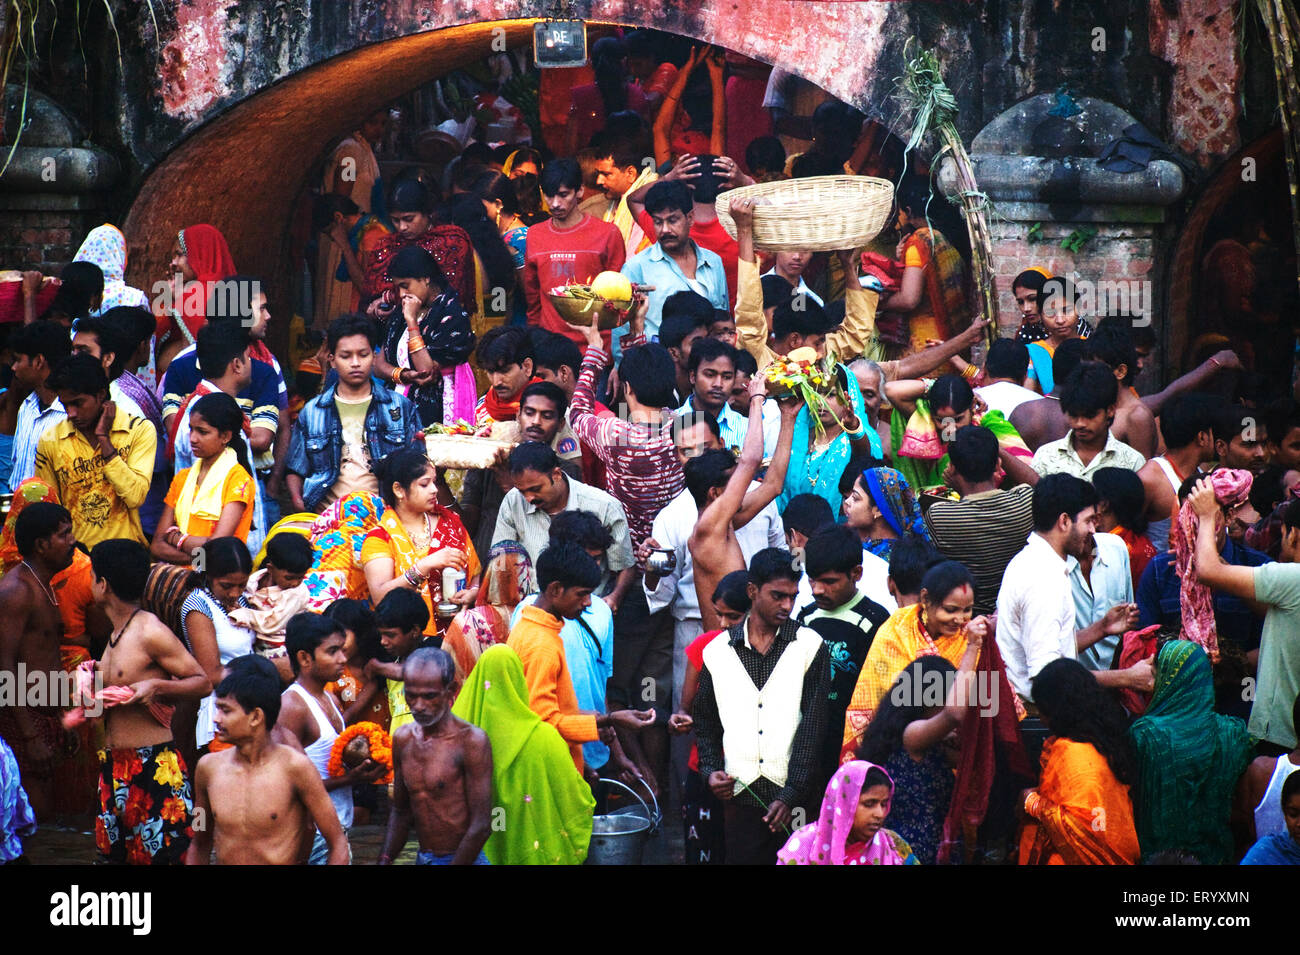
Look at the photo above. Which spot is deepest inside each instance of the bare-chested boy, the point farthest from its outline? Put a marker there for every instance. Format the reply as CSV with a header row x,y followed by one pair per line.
x,y
310,717
442,771
30,632
259,800
145,800
713,546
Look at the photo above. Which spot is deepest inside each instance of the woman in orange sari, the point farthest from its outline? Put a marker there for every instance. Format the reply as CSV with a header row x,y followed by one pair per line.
x,y
932,294
1081,813
417,538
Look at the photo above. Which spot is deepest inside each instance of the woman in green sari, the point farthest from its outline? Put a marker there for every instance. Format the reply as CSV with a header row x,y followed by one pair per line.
x,y
548,807
1190,759
922,427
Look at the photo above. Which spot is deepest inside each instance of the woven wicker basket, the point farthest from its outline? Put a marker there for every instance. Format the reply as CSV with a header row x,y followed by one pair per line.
x,y
816,214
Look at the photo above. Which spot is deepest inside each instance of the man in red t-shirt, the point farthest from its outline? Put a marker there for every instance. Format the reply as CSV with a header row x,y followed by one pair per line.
x,y
571,247
706,230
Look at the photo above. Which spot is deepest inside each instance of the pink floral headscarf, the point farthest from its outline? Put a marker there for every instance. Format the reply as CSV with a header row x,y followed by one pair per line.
x,y
1231,487
826,841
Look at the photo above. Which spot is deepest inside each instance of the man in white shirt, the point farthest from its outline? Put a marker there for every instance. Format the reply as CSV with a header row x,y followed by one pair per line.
x,y
1036,612
95,338
1004,374
1088,399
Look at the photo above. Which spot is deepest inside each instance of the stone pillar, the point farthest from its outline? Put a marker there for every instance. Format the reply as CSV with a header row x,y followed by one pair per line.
x,y
51,193
1041,174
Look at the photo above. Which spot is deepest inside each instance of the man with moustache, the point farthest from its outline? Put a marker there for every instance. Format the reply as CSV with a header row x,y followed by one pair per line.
x,y
541,418
31,630
1036,612
442,771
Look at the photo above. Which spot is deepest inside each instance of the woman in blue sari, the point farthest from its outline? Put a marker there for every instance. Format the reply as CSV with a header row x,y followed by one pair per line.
x,y
818,460
882,508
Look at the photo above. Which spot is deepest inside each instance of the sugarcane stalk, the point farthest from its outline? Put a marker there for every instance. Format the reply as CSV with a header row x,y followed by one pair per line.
x,y
923,96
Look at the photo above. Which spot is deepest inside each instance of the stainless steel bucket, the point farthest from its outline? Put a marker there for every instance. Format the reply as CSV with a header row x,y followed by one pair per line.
x,y
619,838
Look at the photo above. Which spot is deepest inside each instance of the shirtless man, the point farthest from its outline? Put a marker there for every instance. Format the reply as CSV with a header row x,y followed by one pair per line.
x,y
442,771
1134,424
713,546
1042,420
260,799
30,632
1187,427
145,801
310,717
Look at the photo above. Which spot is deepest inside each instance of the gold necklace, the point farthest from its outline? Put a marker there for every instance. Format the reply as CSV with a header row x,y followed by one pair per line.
x,y
418,540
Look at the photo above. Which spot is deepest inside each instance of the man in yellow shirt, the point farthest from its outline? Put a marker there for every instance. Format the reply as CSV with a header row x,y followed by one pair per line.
x,y
759,333
100,460
567,575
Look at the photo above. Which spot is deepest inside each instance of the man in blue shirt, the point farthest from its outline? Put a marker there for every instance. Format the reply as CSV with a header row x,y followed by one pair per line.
x,y
1098,582
676,262
588,641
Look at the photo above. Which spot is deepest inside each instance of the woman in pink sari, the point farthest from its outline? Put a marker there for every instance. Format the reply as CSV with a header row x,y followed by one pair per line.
x,y
851,828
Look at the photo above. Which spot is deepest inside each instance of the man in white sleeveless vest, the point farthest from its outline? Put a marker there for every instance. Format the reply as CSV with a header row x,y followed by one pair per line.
x,y
309,713
762,702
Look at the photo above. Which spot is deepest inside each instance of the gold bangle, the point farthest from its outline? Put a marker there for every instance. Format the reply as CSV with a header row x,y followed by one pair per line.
x,y
397,375
420,347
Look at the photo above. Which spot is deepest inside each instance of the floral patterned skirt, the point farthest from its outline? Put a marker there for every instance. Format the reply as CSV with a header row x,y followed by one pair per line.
x,y
146,806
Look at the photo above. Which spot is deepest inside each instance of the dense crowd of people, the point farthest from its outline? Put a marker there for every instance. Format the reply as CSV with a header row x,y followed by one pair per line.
x,y
975,607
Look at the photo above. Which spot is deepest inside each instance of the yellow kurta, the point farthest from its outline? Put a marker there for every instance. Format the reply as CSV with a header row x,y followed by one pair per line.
x,y
847,342
103,498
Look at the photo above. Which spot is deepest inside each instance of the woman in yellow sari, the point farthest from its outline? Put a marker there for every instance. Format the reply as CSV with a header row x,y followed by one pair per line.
x,y
417,538
1081,813
939,623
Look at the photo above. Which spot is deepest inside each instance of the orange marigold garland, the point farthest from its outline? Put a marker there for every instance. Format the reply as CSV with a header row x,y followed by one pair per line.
x,y
359,742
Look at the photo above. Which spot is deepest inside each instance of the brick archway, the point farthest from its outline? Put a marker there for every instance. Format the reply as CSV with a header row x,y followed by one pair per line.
x,y
1184,270
235,144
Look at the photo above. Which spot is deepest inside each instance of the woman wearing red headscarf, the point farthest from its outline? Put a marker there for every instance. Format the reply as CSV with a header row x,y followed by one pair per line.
x,y
200,256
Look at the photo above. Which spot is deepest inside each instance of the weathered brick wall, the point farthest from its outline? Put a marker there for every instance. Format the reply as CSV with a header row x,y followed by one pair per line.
x,y
1200,41
44,239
